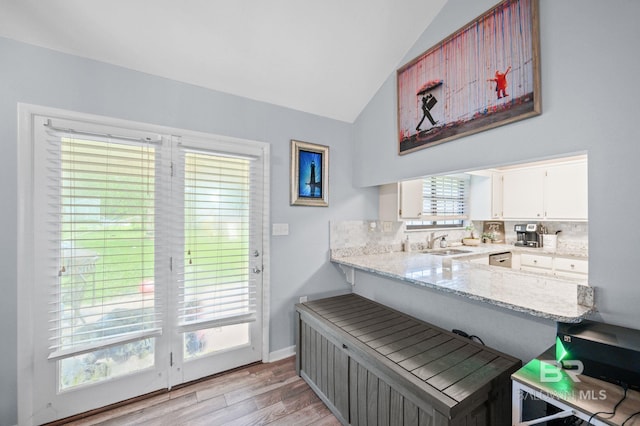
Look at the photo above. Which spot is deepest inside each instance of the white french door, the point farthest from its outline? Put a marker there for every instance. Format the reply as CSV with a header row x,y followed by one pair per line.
x,y
220,269
147,262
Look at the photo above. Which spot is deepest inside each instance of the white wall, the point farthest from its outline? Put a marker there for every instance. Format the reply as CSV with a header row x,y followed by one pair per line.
x,y
590,94
299,263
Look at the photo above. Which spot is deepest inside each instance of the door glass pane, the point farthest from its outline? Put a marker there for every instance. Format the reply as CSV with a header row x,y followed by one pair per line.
x,y
216,284
104,291
207,341
106,363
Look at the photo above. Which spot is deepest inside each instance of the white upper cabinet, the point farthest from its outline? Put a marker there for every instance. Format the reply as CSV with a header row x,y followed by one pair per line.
x,y
496,196
550,192
566,193
523,194
485,195
400,201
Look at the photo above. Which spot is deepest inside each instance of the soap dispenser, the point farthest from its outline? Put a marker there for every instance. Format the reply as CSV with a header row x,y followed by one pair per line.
x,y
443,242
406,245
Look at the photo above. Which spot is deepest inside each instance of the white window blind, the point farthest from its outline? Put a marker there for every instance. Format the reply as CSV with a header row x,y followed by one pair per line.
x,y
102,211
216,286
444,202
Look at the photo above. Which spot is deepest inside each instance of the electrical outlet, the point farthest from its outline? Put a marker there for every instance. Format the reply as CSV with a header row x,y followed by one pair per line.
x,y
278,229
303,299
386,226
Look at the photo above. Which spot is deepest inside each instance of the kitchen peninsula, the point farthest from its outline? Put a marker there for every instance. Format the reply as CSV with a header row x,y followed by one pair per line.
x,y
544,296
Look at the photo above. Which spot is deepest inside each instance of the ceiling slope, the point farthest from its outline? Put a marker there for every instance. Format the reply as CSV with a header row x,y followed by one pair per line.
x,y
325,57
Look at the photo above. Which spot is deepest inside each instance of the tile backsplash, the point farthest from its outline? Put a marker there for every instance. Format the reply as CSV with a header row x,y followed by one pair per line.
x,y
357,237
354,237
573,238
350,238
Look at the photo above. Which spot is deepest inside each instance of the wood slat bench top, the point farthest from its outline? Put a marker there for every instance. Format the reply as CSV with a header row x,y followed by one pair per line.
x,y
453,365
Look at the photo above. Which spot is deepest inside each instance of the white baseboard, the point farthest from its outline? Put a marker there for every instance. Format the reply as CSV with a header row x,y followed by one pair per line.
x,y
282,353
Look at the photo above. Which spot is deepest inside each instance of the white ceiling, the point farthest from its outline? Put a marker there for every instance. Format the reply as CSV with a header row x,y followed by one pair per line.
x,y
326,57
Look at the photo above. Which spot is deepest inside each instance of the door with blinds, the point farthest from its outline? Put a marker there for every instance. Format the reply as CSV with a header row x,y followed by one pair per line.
x,y
219,272
147,262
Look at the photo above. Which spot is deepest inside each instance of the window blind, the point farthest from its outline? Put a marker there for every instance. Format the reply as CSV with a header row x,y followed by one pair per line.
x,y
215,284
102,211
444,202
444,198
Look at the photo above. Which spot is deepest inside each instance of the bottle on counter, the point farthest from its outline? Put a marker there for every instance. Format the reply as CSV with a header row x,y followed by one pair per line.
x,y
443,242
406,245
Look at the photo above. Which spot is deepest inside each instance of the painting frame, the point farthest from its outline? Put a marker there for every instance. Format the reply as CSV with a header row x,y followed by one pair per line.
x,y
306,159
484,75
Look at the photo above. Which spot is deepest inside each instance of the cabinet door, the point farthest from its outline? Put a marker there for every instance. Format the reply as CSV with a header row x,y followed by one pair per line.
x,y
570,267
523,194
480,197
496,196
400,201
411,199
566,192
535,263
484,260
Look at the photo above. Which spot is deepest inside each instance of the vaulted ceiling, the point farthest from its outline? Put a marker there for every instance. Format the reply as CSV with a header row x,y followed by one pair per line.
x,y
325,57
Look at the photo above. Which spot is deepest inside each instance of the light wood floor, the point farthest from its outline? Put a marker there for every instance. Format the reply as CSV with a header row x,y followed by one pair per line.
x,y
256,395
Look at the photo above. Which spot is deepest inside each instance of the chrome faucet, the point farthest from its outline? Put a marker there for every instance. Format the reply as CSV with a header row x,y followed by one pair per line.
x,y
431,241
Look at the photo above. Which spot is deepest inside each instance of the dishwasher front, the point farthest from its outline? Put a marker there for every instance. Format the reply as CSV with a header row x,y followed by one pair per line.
x,y
500,259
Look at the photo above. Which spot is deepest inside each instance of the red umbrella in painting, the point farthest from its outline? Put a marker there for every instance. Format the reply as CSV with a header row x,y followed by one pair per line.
x,y
431,84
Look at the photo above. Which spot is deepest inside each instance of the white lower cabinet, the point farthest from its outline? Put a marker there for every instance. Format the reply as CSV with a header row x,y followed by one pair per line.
x,y
569,267
536,263
484,260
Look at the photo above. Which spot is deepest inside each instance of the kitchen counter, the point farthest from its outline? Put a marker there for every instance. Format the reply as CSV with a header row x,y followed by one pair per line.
x,y
564,300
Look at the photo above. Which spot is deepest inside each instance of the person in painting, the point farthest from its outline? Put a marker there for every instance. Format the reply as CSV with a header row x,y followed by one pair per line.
x,y
428,101
501,83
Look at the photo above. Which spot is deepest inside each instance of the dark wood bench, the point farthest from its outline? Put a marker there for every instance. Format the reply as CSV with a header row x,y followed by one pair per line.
x,y
374,365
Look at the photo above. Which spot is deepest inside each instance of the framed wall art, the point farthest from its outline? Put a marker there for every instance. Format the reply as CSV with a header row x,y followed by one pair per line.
x,y
484,75
309,174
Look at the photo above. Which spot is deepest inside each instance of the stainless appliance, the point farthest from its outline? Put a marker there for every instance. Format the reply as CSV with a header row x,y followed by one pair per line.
x,y
500,259
528,235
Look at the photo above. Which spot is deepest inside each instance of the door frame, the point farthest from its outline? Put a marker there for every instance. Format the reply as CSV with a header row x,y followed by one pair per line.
x,y
26,238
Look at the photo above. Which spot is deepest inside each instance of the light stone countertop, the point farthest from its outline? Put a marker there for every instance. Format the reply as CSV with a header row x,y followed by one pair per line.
x,y
558,299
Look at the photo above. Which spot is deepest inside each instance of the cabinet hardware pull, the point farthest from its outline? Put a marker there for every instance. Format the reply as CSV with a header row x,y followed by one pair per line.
x,y
344,346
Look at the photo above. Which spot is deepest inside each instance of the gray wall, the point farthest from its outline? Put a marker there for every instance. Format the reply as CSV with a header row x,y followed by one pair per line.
x,y
590,68
590,93
298,262
512,332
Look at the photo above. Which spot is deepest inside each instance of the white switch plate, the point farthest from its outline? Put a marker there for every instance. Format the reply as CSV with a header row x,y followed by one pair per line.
x,y
278,229
303,299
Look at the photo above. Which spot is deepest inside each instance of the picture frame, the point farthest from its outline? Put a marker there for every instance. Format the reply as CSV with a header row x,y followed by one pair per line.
x,y
484,75
309,174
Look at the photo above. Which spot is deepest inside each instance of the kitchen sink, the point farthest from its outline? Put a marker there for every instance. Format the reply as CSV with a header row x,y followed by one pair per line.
x,y
447,252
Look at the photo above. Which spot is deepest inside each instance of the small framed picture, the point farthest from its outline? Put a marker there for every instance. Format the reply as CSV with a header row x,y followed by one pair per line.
x,y
309,174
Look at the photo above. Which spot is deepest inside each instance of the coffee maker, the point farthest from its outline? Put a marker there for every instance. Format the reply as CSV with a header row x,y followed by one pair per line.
x,y
528,235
